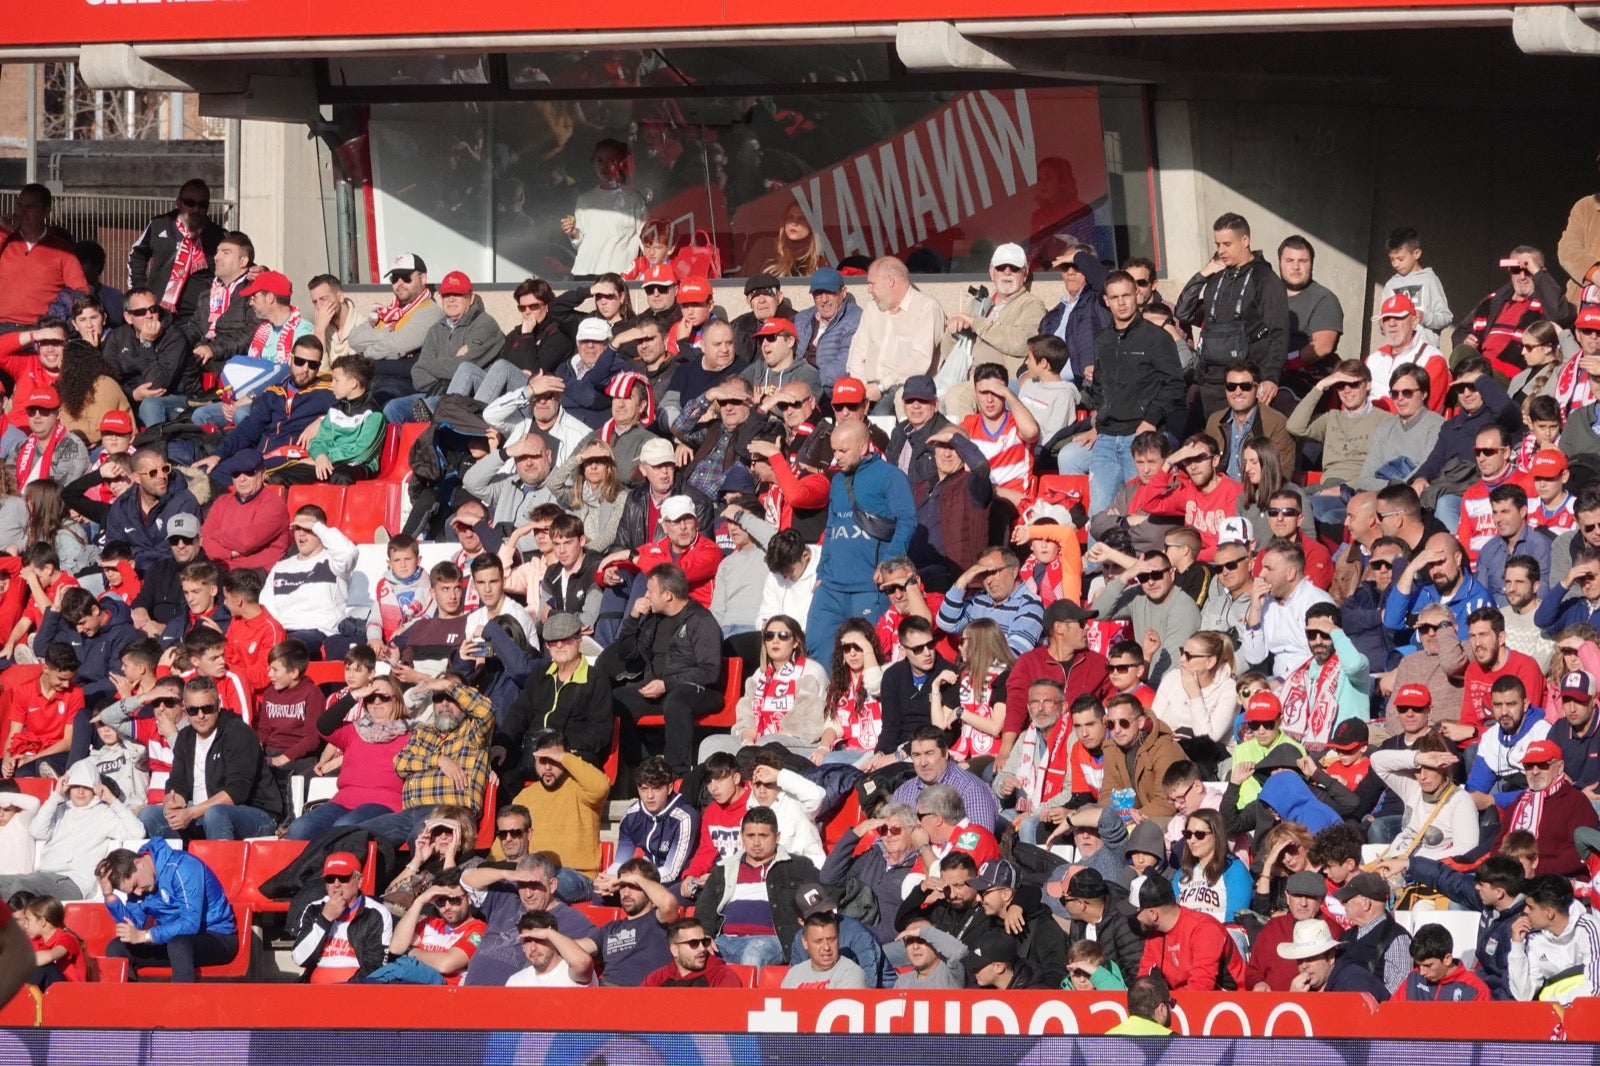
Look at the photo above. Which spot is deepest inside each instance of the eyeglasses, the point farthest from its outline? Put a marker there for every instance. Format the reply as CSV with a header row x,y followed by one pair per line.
x,y
1180,797
1487,451
695,942
202,708
159,471
1318,634
139,312
309,364
193,204
896,586
1240,386
1154,575
337,879
917,649
1120,723
1381,564
1122,668
1196,834
777,634
1283,512
1403,394
534,305
1233,564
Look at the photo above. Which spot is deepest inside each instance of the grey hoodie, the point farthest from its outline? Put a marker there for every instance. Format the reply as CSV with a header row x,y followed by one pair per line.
x,y
75,838
437,361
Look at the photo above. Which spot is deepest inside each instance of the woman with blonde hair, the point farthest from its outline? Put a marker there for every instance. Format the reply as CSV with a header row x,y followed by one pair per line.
x,y
968,695
363,750
1198,700
799,253
597,495
1282,852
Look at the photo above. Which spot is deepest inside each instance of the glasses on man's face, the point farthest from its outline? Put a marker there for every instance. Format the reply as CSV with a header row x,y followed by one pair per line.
x,y
730,403
1007,268
1283,512
1590,527
893,587
201,709
695,942
40,412
1150,576
1485,452
1233,564
452,901
309,364
1381,564
139,312
1240,386
1120,723
892,830
180,540
917,649
1411,710
158,471
1467,386
535,305
850,406
1428,629
195,205
337,879
165,701
1181,796
1388,514
790,405
657,290
1318,635
1403,394
1144,283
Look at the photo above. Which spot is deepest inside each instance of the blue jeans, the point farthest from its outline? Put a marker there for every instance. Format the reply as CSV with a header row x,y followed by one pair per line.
x,y
573,887
1447,509
398,827
829,608
750,950
406,970
326,816
397,412
1110,465
222,821
154,410
212,414
486,386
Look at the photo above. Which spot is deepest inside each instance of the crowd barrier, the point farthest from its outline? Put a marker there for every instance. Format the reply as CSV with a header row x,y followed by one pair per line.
x,y
774,1012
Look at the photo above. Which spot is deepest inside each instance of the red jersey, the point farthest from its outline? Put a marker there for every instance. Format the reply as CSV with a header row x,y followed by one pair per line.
x,y
1477,524
73,966
1010,457
434,935
968,837
33,612
1477,682
1178,497
44,719
248,642
1558,519
1194,955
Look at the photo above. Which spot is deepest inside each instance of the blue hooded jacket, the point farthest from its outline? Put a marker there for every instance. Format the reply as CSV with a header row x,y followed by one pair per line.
x,y
1089,315
851,556
99,656
187,899
1292,798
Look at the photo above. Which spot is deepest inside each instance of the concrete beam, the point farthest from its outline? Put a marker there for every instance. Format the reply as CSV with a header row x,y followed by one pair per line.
x,y
940,46
269,97
1554,31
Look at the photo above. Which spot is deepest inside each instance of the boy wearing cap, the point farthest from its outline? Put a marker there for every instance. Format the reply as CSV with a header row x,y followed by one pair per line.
x,y
775,341
994,962
48,451
1087,900
824,330
1552,508
1041,942
1263,731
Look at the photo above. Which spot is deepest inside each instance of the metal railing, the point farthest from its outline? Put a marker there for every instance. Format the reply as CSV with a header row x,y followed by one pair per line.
x,y
114,221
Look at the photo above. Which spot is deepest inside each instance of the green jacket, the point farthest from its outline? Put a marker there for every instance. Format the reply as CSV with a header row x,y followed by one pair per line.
x,y
351,432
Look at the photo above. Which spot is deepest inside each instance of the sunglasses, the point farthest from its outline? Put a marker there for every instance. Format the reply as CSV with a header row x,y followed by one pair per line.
x,y
790,405
182,540
1428,628
402,275
39,412
695,942
193,204
1403,394
1259,727
454,901
1144,283
1007,268
165,701
1185,654
850,406
536,305
655,290
917,649
730,403
1154,575
1535,765
1381,564
893,587
202,709
139,312
1196,834
154,471
1234,564
892,830
531,886
1120,723
777,634
1318,634
337,879
1283,512
1487,451
309,364
1240,386
376,698
1466,386
1122,668
1412,710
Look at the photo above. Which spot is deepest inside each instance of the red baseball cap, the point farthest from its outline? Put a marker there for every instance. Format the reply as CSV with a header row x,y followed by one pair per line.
x,y
849,390
1413,696
1548,463
117,422
694,291
455,283
1588,318
1541,751
660,274
269,281
1263,707
774,326
341,864
42,396
1397,306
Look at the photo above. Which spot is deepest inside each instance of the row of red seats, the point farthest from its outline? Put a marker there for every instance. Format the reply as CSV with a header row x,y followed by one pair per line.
x,y
361,509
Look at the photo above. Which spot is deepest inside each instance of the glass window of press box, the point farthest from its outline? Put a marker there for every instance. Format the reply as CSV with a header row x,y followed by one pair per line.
x,y
746,160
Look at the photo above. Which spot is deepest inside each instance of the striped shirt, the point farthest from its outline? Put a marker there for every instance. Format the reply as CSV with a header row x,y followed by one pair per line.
x,y
1020,616
1010,458
748,911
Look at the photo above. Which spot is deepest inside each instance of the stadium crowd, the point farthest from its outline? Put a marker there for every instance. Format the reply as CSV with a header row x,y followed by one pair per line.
x,y
1010,647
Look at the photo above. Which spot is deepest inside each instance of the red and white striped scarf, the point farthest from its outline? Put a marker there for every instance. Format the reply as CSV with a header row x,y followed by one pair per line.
x,y
25,455
390,315
622,386
1528,811
1309,708
189,259
1573,388
221,296
284,346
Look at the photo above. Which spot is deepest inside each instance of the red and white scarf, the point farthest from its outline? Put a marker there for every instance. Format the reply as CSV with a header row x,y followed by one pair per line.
x,y
1046,584
973,743
1310,707
221,297
776,694
1043,773
858,717
391,315
25,455
285,343
1573,388
621,387
189,259
1528,811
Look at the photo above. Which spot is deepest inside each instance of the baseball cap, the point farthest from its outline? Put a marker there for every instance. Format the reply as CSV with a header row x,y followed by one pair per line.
x,y
827,279
116,422
1548,463
774,326
1066,611
657,452
561,625
1233,531
406,264
342,864
594,329
183,525
1308,884
1577,685
996,873
757,282
694,291
739,479
1397,306
1588,318
1413,696
660,274
919,387
677,507
1152,890
247,461
1541,751
1263,707
269,281
1349,735
991,948
1009,254
42,396
814,898
1366,884
1086,884
849,390
455,283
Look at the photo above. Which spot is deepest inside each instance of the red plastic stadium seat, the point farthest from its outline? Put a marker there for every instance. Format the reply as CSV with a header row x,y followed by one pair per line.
x,y
238,966
108,971
366,509
264,860
25,1011
747,974
608,852
491,801
771,976
37,787
848,814
226,858
599,915
390,452
732,689
614,754
328,497
400,467
323,672
93,924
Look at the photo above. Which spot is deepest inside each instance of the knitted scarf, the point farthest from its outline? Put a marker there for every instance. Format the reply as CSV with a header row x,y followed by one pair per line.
x,y
1573,388
775,695
1528,811
621,387
1310,706
188,260
285,344
1043,771
858,717
391,315
976,702
25,455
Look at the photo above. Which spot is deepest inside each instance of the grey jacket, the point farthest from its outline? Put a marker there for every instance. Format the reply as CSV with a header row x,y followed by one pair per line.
x,y
437,361
505,496
1394,439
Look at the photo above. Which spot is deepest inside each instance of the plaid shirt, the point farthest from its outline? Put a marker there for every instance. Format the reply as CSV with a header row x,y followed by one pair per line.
x,y
468,744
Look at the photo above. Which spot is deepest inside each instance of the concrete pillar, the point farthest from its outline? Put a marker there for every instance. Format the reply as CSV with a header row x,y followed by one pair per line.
x,y
280,200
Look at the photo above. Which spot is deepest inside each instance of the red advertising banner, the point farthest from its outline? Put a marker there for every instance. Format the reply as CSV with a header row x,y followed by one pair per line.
x,y
71,22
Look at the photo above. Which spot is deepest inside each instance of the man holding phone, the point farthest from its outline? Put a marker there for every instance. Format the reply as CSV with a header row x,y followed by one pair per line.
x,y
1494,329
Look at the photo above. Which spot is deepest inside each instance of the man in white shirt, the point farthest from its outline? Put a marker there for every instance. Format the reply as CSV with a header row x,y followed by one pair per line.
x,y
1275,625
554,959
899,334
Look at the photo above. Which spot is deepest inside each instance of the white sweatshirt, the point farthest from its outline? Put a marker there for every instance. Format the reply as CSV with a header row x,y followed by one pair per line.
x,y
313,592
1542,955
76,838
